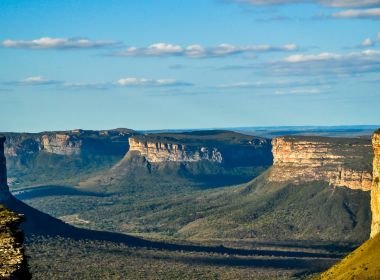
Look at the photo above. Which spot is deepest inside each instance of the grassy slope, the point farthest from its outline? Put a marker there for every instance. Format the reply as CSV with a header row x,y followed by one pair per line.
x,y
363,263
33,166
258,210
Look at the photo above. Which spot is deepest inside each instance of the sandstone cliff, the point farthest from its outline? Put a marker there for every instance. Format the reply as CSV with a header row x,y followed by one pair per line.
x,y
4,191
155,152
339,161
220,147
61,144
68,154
12,260
375,191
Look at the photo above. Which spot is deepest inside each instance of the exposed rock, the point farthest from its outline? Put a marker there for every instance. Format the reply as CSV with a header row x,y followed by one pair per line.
x,y
163,152
12,259
4,190
339,161
61,144
73,152
375,191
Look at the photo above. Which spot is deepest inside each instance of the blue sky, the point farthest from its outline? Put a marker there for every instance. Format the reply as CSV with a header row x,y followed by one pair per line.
x,y
188,64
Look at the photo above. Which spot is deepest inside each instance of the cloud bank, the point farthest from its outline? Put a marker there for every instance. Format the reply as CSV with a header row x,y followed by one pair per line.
x,y
56,43
329,3
198,51
143,82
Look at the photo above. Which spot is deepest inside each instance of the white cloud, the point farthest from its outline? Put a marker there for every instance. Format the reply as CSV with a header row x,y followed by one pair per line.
x,y
350,3
296,91
56,43
329,3
36,80
198,51
373,13
143,82
367,43
311,57
327,64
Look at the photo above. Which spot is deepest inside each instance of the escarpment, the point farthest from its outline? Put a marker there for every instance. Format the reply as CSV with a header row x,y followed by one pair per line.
x,y
163,152
219,147
12,259
68,154
72,142
375,191
338,161
4,191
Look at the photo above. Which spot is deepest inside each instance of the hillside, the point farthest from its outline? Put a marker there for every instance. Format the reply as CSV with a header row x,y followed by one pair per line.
x,y
163,164
162,204
363,263
62,157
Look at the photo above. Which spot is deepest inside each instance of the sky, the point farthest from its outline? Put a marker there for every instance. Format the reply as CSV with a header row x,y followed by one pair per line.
x,y
170,64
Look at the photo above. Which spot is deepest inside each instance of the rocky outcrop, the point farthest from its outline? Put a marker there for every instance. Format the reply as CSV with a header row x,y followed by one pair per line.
x,y
156,152
339,161
375,191
73,142
4,191
61,144
12,259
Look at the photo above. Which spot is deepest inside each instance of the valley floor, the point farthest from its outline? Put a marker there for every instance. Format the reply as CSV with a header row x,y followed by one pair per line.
x,y
64,258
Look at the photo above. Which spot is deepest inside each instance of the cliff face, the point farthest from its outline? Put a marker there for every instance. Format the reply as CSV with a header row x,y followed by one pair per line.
x,y
375,191
12,260
339,161
61,144
72,142
155,152
4,191
54,157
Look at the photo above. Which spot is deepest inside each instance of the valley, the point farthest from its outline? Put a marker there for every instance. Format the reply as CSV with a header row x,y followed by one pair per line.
x,y
282,215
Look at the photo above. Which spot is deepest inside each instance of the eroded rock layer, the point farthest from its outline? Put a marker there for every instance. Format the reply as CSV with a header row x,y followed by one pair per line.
x,y
163,152
375,191
12,260
4,191
339,161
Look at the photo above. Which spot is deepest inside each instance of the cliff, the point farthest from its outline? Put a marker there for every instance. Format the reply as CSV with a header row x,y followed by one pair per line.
x,y
375,191
12,260
4,191
363,263
61,144
155,152
338,161
221,147
60,156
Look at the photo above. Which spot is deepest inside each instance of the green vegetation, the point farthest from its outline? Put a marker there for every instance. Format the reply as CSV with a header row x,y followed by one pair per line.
x,y
363,263
29,165
259,210
64,258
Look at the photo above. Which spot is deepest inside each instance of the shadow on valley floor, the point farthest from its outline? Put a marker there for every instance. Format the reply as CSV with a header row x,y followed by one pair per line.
x,y
41,224
52,190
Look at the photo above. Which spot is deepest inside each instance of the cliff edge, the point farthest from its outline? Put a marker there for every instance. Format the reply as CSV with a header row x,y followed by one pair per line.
x,y
375,191
363,263
12,260
338,161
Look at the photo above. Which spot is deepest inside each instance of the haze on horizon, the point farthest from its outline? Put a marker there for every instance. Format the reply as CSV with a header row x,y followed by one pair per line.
x,y
189,64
